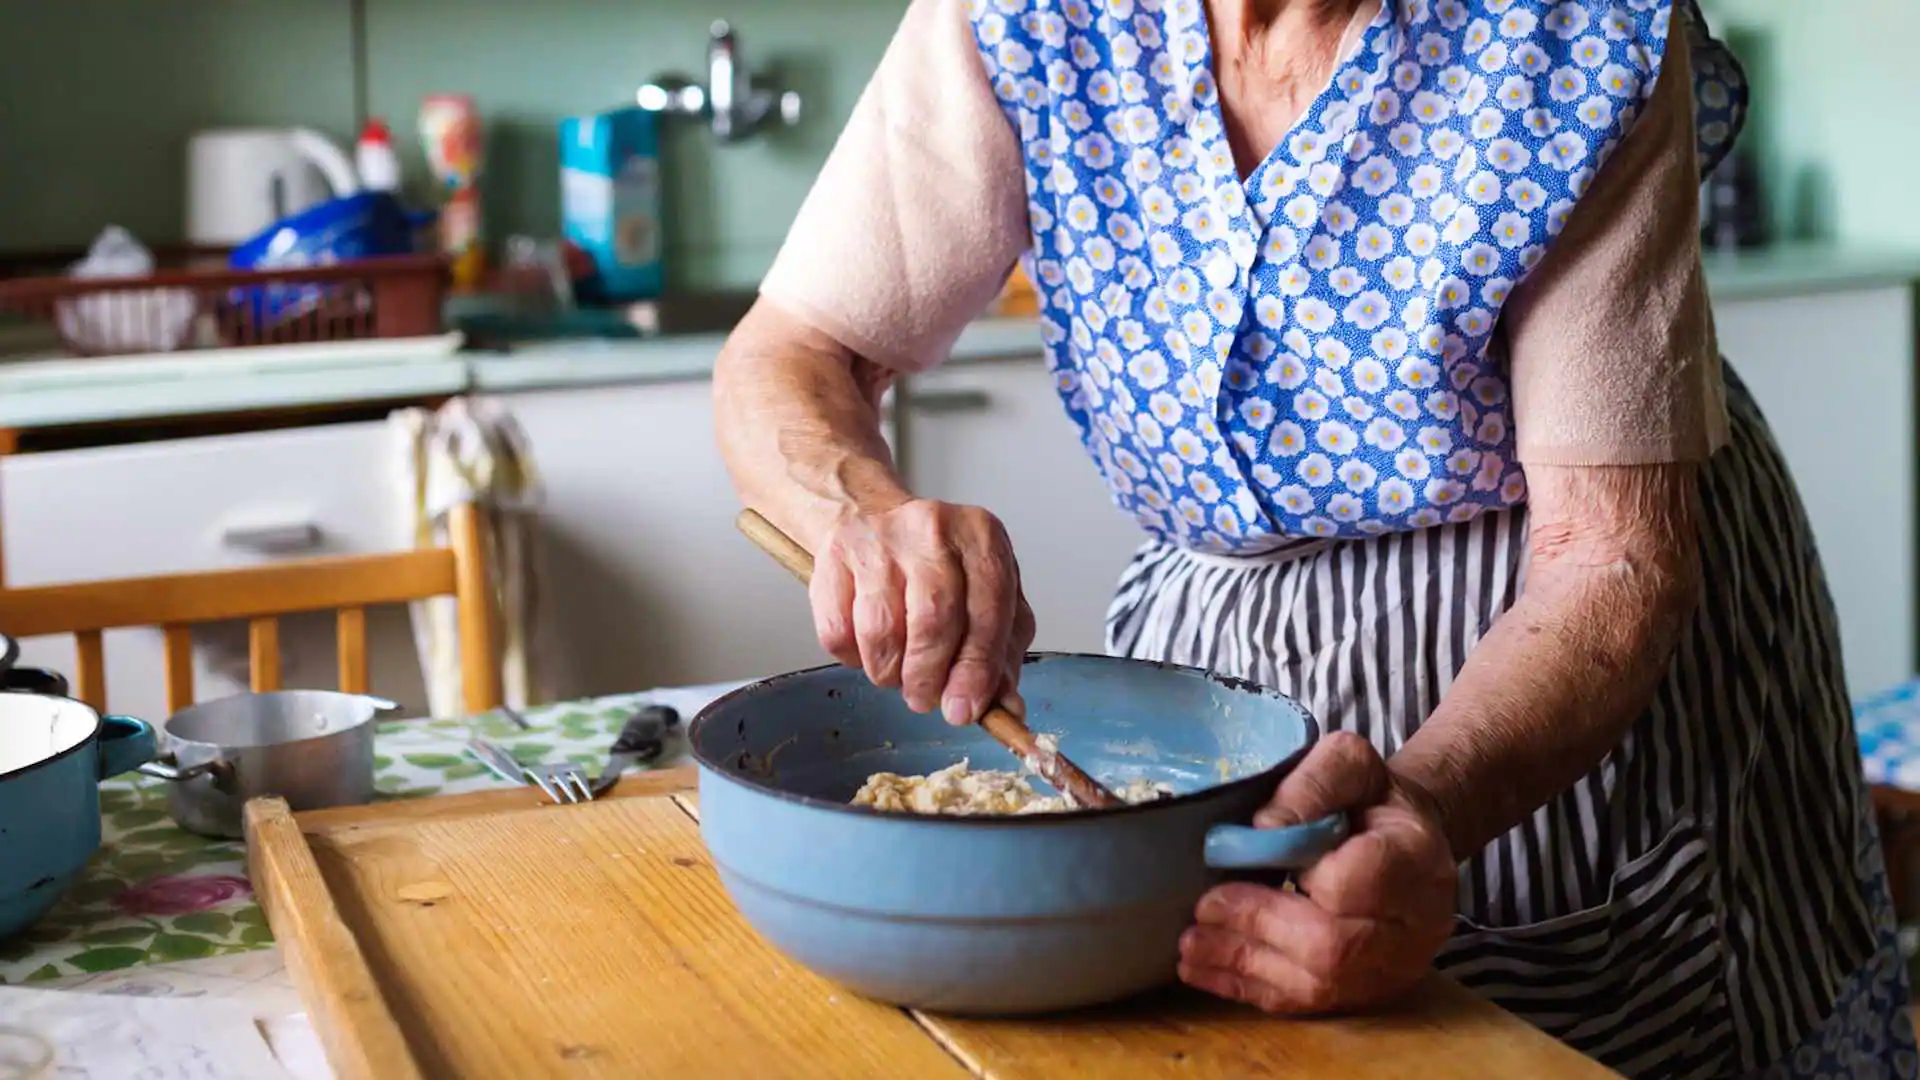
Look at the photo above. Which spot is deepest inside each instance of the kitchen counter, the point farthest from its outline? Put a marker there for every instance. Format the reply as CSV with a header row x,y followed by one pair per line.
x,y
118,390
211,392
690,356
126,390
1803,269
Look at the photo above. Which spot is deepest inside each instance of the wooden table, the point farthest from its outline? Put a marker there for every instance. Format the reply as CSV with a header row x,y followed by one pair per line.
x,y
486,935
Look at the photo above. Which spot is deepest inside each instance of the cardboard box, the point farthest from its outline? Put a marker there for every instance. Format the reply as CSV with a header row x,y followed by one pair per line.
x,y
610,201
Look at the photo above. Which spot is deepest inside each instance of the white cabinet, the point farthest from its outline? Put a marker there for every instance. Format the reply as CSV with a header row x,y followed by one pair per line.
x,y
202,504
649,582
993,434
1834,373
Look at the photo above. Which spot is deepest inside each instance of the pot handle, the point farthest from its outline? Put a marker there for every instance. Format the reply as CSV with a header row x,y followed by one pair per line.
x,y
332,162
125,743
1292,847
170,770
380,704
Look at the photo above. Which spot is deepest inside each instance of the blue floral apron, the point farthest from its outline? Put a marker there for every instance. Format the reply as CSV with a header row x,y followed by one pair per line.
x,y
1305,353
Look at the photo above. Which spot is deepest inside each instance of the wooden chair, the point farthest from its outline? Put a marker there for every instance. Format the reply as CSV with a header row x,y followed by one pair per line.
x,y
347,585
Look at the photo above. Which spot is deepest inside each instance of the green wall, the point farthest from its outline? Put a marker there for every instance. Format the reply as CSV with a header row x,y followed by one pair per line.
x,y
97,98
532,63
1837,112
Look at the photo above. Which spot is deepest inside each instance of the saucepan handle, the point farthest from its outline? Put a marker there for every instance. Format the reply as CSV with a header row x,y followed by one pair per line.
x,y
1291,847
125,743
171,770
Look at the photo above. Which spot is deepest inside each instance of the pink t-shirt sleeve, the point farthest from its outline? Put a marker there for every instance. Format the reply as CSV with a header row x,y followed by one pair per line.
x,y
920,212
1610,342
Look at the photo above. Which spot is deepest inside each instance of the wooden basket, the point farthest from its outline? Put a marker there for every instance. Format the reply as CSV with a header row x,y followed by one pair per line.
x,y
191,307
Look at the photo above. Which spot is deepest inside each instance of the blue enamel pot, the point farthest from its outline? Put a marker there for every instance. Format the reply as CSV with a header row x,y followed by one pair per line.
x,y
54,751
995,915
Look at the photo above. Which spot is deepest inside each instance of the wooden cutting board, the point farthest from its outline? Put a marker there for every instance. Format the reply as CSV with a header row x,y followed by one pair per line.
x,y
488,935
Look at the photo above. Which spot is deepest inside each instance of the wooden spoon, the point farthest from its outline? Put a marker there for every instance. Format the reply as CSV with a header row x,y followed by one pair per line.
x,y
1006,728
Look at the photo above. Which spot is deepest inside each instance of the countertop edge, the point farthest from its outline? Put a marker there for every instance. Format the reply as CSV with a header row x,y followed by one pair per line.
x,y
651,360
230,394
1806,269
1800,269
1766,288
573,364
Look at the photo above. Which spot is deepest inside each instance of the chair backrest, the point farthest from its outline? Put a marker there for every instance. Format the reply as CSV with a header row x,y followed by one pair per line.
x,y
346,584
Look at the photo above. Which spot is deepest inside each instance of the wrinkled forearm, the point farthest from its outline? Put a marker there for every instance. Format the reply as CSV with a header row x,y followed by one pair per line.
x,y
1612,580
798,421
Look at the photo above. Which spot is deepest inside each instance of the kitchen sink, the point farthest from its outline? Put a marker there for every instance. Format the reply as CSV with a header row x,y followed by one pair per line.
x,y
677,314
693,312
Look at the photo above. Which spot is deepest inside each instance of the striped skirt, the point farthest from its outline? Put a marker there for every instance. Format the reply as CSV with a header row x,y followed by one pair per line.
x,y
1696,904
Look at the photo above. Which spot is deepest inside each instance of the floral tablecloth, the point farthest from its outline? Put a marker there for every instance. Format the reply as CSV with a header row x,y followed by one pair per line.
x,y
156,893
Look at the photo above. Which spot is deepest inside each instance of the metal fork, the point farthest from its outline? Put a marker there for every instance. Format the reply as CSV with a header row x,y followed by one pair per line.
x,y
564,784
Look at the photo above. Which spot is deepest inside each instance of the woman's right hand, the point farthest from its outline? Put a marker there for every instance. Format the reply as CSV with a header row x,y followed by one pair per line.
x,y
925,596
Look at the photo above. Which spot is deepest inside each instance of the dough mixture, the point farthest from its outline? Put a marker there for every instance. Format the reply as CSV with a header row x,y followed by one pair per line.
x,y
958,789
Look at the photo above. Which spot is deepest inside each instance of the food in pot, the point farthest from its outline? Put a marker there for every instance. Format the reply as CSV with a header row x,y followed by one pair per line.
x,y
959,789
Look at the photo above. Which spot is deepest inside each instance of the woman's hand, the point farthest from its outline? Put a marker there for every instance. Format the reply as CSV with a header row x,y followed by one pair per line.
x,y
1368,918
922,595
925,596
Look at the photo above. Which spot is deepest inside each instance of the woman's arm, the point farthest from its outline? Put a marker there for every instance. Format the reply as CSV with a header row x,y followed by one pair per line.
x,y
1616,399
912,226
1613,575
798,421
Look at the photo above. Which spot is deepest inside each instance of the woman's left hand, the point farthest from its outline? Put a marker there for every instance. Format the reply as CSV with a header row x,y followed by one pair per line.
x,y
1367,919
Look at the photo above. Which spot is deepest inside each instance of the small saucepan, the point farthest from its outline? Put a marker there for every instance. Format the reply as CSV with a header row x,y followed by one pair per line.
x,y
313,748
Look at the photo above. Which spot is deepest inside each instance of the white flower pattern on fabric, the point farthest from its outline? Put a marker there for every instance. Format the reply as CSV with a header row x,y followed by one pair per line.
x,y
1309,348
1869,1035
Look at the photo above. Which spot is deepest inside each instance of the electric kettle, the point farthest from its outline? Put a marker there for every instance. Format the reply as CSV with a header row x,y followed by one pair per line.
x,y
242,180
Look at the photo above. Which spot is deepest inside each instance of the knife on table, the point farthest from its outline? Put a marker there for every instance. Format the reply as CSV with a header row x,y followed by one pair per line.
x,y
642,738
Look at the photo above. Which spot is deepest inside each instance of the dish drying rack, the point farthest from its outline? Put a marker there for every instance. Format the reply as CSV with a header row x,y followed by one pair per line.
x,y
191,305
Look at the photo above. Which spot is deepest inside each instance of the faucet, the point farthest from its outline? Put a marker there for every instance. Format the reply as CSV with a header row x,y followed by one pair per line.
x,y
733,101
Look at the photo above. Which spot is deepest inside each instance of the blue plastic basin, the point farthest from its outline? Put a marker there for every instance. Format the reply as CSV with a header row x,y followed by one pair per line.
x,y
364,225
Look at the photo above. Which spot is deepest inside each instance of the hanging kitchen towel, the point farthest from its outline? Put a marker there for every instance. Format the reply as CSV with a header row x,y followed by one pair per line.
x,y
471,450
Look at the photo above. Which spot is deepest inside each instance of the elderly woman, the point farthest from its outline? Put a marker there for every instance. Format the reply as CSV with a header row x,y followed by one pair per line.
x,y
1386,323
